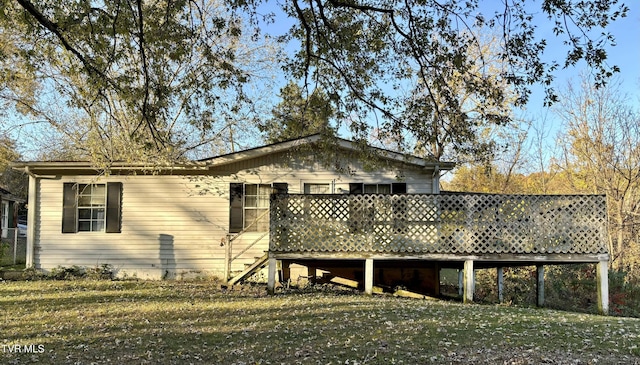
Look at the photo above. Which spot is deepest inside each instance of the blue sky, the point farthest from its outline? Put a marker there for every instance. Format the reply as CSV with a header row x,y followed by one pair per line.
x,y
626,55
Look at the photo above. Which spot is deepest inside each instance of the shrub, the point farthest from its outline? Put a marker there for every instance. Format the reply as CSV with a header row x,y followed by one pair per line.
x,y
4,247
67,273
519,286
31,273
624,293
101,272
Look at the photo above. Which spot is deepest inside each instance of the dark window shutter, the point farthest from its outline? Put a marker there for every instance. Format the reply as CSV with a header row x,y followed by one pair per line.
x,y
69,208
399,188
280,188
235,208
356,188
113,222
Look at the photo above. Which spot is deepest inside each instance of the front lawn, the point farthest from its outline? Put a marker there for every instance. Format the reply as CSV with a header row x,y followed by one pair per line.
x,y
173,322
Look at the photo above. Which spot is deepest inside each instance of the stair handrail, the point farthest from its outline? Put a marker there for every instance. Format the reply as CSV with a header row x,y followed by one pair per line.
x,y
227,243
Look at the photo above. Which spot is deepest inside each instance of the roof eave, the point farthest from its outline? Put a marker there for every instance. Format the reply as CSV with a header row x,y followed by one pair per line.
x,y
60,168
342,143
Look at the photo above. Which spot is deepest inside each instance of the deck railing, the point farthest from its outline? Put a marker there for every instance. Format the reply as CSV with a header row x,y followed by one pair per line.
x,y
454,223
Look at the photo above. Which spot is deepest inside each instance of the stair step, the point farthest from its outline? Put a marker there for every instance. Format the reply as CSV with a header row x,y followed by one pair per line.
x,y
253,268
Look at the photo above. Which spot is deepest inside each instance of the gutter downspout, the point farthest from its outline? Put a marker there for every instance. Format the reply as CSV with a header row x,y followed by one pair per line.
x,y
31,217
435,181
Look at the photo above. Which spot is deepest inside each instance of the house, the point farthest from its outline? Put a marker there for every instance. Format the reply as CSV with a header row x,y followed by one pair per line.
x,y
205,216
371,216
9,204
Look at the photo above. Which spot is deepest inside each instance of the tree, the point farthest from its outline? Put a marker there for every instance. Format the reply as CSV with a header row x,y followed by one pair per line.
x,y
297,116
143,62
602,156
450,121
11,180
370,52
130,80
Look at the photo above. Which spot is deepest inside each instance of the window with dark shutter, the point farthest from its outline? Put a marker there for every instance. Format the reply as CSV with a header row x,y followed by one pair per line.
x,y
92,207
249,206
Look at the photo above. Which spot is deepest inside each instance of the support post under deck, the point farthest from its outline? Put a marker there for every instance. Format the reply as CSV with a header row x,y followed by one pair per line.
x,y
460,283
602,277
500,283
311,274
468,282
540,285
271,277
368,276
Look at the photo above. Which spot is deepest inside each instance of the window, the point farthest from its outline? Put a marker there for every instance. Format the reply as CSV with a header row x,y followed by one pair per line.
x,y
92,203
249,206
4,218
377,188
310,188
91,208
363,216
360,188
256,207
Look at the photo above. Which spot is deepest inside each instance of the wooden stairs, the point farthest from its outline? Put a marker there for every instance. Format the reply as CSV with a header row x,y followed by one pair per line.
x,y
258,265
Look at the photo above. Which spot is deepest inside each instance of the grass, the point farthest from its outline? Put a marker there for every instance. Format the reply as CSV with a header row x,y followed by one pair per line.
x,y
171,322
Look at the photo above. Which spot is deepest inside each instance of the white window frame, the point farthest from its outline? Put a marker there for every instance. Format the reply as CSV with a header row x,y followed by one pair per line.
x,y
317,183
97,210
377,188
4,218
261,206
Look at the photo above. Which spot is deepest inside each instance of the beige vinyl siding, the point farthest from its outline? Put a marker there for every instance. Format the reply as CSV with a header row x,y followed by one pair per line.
x,y
165,227
174,224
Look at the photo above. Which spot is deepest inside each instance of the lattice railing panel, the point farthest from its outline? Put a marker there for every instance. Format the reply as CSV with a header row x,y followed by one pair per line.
x,y
448,223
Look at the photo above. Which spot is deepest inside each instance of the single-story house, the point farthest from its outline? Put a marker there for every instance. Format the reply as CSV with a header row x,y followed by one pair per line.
x,y
368,215
156,222
9,204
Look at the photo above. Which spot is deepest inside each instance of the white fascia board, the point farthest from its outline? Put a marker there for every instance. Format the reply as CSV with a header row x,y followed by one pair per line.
x,y
258,151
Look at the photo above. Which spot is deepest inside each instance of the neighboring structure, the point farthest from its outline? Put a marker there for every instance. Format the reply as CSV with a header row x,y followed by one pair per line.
x,y
8,213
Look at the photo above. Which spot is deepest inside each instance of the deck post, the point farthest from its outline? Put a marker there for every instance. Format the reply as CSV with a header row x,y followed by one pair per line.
x,y
500,283
227,258
540,285
460,282
602,277
368,276
286,270
271,278
468,282
311,274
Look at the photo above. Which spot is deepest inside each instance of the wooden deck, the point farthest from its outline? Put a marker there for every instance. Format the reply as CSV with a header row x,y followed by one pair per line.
x,y
454,230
